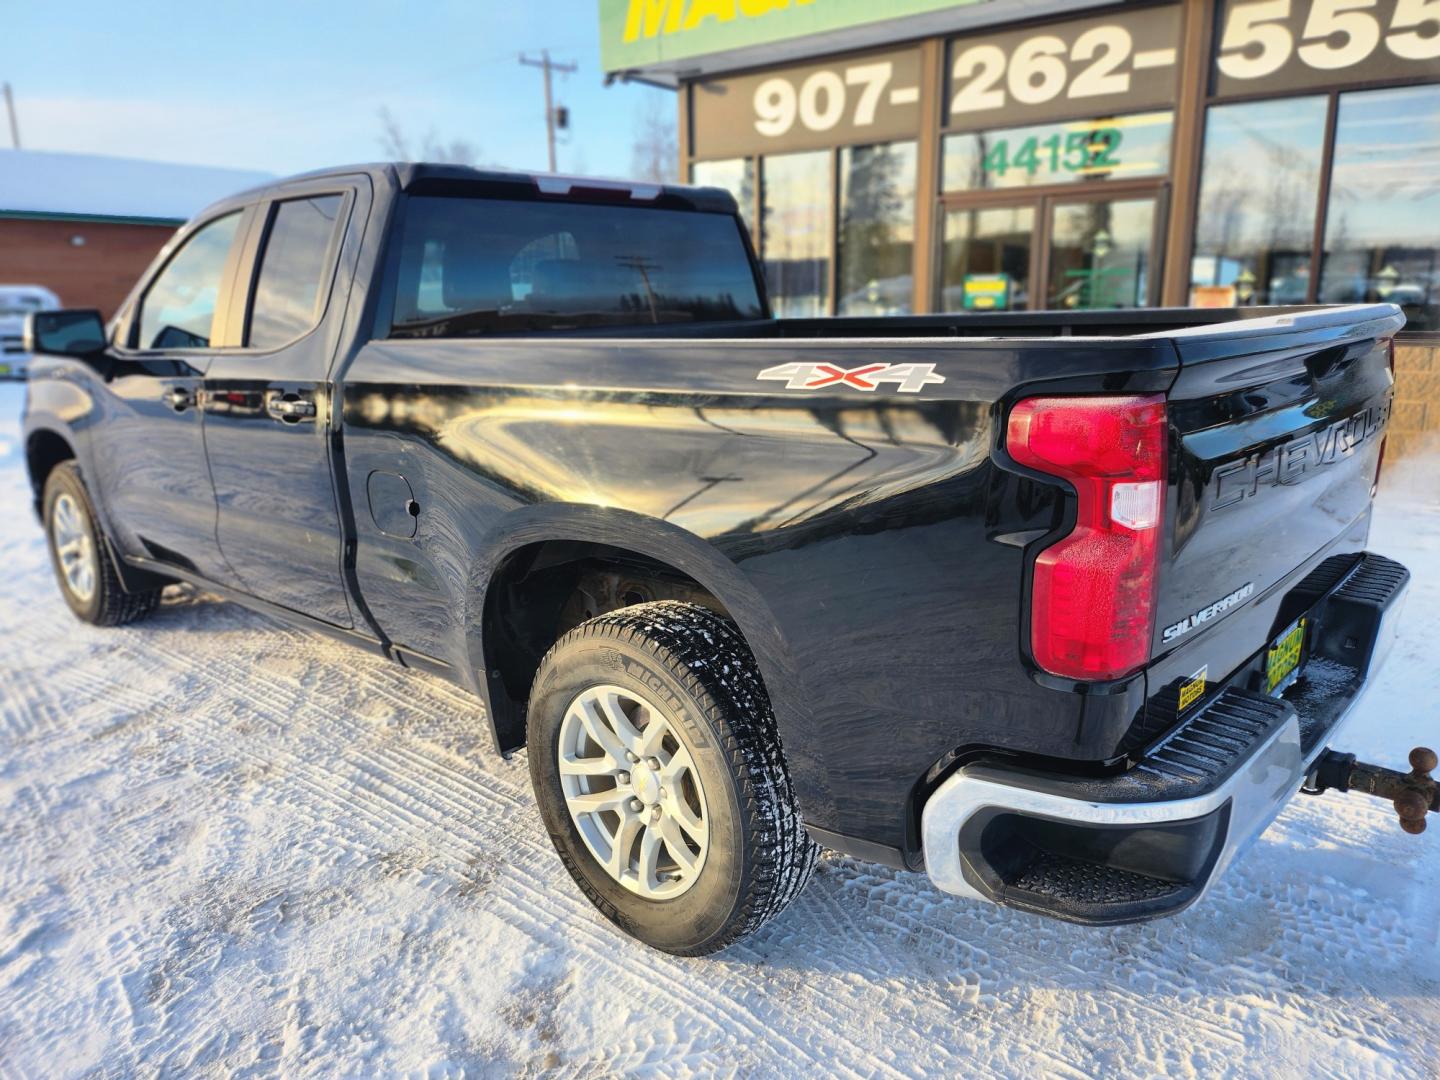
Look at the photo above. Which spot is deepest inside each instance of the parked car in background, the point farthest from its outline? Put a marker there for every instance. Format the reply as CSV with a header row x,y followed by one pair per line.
x,y
16,302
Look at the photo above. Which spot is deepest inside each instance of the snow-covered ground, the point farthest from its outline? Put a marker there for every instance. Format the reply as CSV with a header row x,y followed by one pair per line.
x,y
231,847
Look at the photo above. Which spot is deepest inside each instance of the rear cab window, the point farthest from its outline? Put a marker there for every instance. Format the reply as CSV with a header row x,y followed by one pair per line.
x,y
295,267
475,266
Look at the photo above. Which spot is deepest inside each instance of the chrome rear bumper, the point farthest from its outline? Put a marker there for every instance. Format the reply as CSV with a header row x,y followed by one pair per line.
x,y
1151,841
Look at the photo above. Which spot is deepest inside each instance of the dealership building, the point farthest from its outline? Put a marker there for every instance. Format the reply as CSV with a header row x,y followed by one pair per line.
x,y
949,155
85,226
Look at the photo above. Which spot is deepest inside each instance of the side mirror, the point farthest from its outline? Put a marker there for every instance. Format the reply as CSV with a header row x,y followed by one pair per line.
x,y
78,332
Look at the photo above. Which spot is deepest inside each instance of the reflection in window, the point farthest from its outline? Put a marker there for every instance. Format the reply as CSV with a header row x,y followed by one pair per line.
x,y
1258,188
1062,153
180,306
796,232
560,246
1100,254
492,266
1382,229
292,270
876,240
737,176
986,259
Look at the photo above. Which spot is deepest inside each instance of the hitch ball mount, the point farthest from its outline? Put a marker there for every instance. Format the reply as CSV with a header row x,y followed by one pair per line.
x,y
1413,794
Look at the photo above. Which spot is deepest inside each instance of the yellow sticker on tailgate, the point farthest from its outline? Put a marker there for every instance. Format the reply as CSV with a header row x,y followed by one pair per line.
x,y
1193,689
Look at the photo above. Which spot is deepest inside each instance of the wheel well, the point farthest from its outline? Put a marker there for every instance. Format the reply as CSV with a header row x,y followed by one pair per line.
x,y
43,452
544,590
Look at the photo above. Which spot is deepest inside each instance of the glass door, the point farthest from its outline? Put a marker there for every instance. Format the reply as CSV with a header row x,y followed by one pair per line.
x,y
1062,250
987,258
1101,253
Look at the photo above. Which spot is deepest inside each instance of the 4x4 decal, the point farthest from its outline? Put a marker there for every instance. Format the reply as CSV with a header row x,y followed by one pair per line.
x,y
910,378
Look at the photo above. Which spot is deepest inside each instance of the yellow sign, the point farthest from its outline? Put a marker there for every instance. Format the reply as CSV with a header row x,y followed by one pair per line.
x,y
1284,657
638,33
1193,689
651,17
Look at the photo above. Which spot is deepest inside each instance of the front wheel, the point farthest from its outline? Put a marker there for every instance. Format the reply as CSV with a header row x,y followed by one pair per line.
x,y
87,577
657,766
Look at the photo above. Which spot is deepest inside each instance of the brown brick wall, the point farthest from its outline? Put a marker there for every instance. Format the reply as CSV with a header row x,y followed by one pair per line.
x,y
1415,421
100,273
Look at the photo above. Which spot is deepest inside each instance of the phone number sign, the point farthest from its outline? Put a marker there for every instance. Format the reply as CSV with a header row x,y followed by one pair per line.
x,y
1284,45
1123,62
861,99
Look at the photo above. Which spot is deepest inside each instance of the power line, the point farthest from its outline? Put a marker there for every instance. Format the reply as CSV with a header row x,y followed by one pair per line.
x,y
551,112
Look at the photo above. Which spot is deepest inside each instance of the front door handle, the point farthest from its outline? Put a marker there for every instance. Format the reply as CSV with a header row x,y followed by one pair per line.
x,y
290,408
178,398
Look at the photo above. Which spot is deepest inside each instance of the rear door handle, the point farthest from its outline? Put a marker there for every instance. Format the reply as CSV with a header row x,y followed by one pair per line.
x,y
178,398
290,409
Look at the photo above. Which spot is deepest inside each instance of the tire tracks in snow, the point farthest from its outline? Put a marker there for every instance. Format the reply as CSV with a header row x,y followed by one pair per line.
x,y
393,818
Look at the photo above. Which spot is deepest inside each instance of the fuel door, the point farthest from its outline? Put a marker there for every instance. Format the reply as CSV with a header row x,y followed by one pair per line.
x,y
392,504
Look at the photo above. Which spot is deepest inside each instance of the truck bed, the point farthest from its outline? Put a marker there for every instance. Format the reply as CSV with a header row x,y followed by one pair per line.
x,y
1001,324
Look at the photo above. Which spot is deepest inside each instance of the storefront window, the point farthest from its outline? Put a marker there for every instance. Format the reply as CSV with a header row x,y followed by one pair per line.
x,y
1382,229
737,176
1259,185
795,233
1100,254
1059,153
986,259
876,241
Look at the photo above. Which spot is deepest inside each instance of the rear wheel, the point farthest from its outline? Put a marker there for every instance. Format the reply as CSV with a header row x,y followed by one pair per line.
x,y
87,577
657,767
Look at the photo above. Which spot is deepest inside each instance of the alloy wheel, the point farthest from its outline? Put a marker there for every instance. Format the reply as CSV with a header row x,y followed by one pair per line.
x,y
74,547
633,791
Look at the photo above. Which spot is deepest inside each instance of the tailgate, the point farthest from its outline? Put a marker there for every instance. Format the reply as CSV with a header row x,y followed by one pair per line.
x,y
1276,430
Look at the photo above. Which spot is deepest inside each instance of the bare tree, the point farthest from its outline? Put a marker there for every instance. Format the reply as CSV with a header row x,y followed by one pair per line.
x,y
655,153
397,145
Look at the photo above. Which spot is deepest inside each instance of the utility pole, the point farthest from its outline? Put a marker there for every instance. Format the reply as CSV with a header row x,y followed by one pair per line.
x,y
547,65
14,123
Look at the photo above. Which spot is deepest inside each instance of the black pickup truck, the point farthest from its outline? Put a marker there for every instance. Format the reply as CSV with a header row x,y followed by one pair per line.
x,y
1060,607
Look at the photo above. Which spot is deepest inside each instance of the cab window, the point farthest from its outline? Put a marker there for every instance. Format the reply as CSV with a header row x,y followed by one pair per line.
x,y
294,268
178,309
473,266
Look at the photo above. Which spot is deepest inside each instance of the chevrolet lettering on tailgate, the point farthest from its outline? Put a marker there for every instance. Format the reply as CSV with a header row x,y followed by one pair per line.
x,y
1293,461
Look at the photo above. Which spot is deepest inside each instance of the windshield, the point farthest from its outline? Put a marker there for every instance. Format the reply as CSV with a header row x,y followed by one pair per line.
x,y
483,266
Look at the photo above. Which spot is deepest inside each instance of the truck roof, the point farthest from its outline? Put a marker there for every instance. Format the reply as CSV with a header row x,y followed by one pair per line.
x,y
439,178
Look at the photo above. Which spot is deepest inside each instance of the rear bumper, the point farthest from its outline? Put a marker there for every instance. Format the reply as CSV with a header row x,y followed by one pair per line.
x,y
1150,842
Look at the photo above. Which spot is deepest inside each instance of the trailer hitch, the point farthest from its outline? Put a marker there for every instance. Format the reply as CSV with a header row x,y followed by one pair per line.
x,y
1413,794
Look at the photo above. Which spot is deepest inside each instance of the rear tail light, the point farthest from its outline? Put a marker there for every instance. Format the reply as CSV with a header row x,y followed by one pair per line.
x,y
1093,599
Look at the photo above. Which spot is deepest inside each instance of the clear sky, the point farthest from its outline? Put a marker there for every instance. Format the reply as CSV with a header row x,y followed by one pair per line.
x,y
286,87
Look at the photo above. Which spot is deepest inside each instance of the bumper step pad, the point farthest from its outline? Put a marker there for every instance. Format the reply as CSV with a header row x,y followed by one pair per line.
x,y
1194,759
1086,885
1207,748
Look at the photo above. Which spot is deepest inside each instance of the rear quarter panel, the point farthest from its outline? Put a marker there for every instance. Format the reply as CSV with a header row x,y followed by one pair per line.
x,y
852,534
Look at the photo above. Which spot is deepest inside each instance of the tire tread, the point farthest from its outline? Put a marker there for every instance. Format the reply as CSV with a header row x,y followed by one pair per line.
x,y
709,655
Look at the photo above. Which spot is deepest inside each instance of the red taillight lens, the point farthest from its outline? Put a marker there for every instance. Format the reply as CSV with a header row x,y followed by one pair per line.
x,y
1093,599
